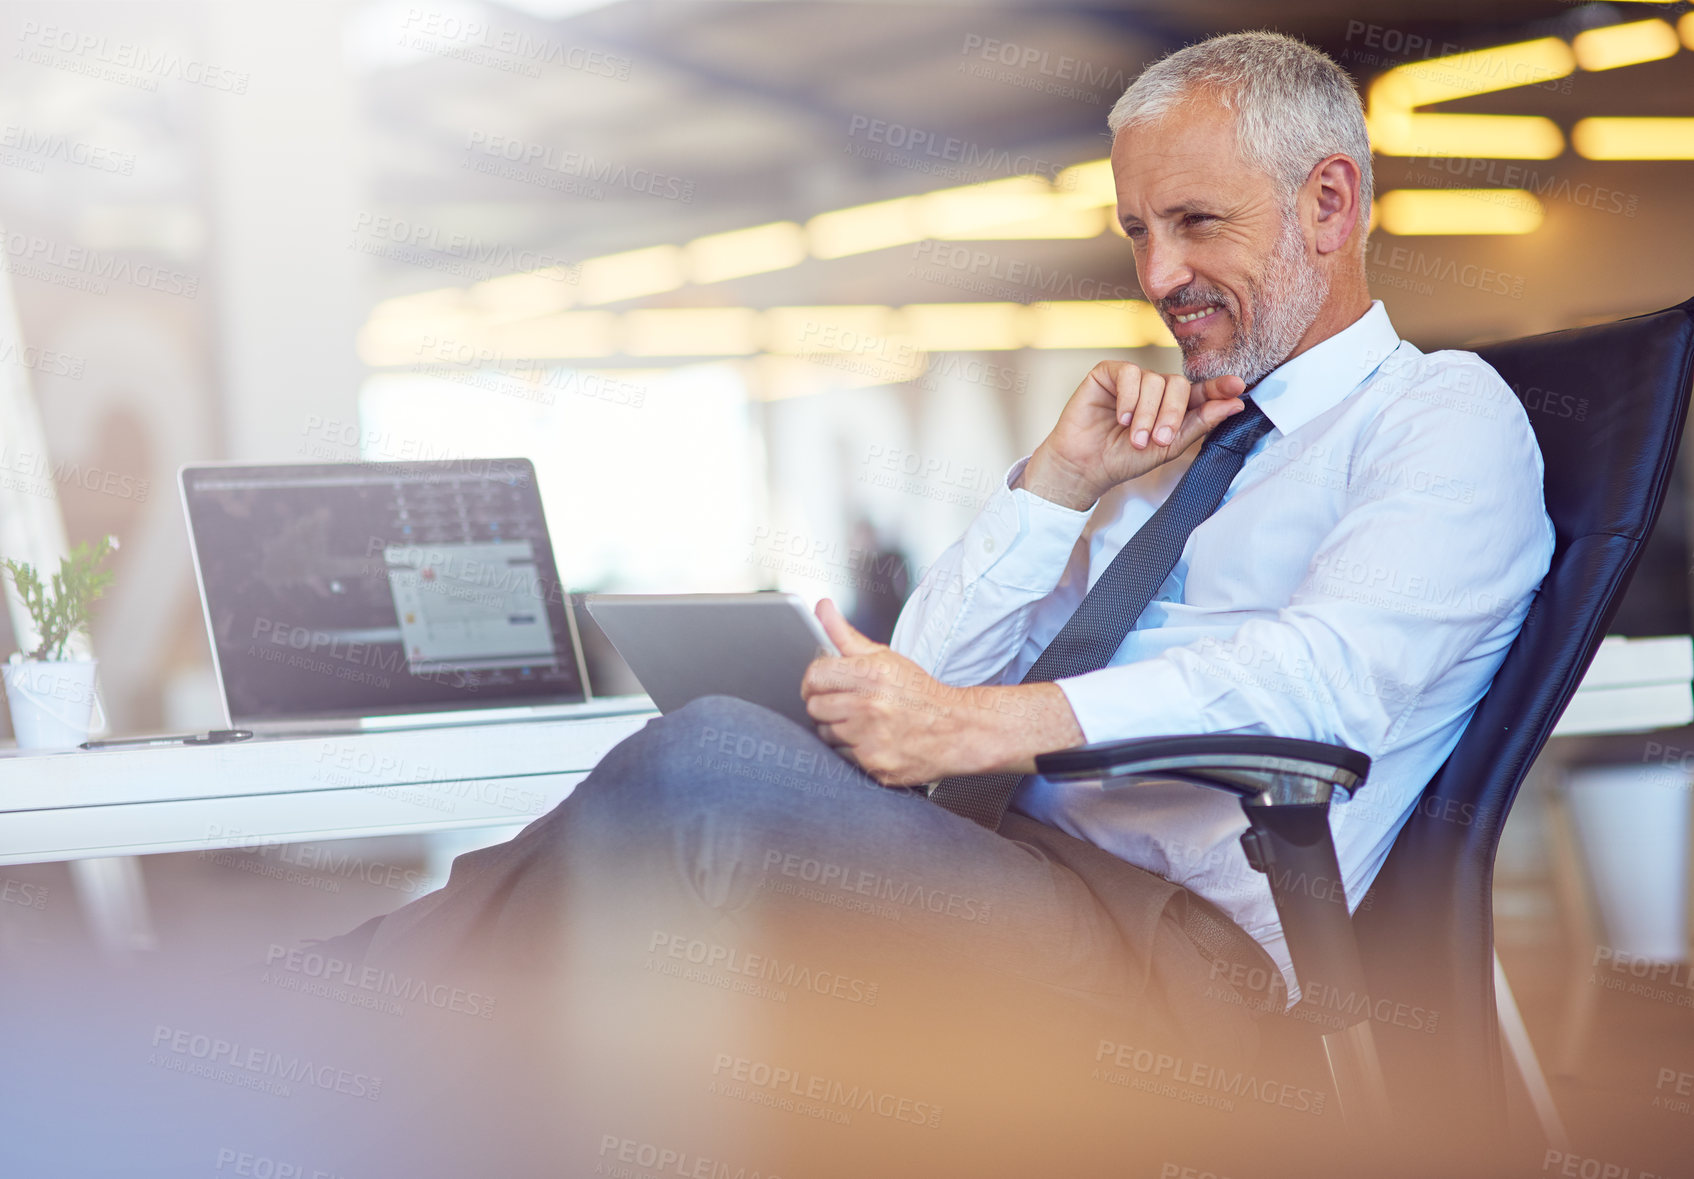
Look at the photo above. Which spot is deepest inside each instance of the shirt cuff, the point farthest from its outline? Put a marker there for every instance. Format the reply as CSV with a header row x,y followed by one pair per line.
x,y
1020,540
1145,699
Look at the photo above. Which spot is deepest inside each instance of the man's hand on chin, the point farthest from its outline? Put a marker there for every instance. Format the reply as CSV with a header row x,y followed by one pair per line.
x,y
904,727
1122,422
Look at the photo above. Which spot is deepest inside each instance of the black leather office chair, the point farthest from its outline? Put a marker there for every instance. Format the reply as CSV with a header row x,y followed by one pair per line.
x,y
1607,404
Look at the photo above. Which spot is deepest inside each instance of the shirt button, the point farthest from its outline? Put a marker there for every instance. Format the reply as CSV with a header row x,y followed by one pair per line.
x,y
988,545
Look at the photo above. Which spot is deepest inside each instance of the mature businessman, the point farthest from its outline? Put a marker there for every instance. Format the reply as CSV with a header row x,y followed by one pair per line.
x,y
1350,560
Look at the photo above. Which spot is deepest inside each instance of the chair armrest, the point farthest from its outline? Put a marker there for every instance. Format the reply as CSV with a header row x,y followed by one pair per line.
x,y
1287,769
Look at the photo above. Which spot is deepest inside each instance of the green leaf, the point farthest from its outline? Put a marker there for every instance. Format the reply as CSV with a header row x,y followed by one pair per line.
x,y
63,610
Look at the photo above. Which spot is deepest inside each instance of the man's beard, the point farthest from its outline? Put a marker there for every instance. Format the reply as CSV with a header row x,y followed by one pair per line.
x,y
1284,300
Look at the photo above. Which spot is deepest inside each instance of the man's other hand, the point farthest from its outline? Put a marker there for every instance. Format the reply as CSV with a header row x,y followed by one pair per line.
x,y
1121,422
904,727
880,710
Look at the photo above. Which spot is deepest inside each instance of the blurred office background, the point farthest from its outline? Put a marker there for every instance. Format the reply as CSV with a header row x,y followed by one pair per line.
x,y
771,291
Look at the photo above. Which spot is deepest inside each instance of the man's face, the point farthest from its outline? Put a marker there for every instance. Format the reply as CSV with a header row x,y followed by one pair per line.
x,y
1217,253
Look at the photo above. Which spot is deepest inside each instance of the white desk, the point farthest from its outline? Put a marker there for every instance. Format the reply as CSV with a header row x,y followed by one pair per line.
x,y
96,807
1633,686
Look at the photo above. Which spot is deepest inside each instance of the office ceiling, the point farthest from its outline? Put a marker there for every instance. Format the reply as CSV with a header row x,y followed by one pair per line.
x,y
712,115
781,109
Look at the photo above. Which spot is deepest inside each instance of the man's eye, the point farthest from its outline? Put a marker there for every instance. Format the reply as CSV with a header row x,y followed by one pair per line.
x,y
1135,233
1198,218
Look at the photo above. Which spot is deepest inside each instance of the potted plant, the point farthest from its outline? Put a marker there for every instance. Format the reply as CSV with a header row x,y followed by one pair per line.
x,y
52,697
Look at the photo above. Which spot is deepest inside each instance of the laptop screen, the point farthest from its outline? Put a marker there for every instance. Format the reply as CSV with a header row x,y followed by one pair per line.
x,y
370,589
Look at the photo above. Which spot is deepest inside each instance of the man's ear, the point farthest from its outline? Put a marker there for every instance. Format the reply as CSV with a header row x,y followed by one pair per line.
x,y
1334,185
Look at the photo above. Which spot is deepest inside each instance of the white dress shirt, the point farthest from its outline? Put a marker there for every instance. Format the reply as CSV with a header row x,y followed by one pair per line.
x,y
1360,584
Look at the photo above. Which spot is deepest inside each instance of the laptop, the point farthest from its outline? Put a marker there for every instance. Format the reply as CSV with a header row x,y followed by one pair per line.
x,y
347,596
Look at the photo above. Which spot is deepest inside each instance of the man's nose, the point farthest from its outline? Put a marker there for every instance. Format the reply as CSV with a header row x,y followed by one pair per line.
x,y
1162,269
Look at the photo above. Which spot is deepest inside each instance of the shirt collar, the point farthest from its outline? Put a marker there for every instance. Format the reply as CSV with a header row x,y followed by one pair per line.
x,y
1317,379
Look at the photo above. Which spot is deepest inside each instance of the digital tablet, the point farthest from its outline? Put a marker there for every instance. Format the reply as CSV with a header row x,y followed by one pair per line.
x,y
684,646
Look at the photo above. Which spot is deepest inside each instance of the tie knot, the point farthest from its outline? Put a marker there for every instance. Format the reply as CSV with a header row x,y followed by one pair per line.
x,y
1239,432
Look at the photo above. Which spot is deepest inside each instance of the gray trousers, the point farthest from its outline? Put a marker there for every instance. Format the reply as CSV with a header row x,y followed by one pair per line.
x,y
724,831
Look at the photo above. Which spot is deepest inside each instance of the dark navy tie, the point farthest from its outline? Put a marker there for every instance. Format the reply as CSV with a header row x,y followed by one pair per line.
x,y
1111,608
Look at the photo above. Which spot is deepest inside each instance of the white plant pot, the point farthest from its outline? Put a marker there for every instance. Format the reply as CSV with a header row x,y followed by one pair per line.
x,y
53,702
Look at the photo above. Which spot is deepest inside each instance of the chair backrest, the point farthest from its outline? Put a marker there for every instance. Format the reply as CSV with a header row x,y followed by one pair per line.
x,y
1607,404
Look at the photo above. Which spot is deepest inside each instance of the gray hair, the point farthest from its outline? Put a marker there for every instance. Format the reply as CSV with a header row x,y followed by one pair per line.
x,y
1293,105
